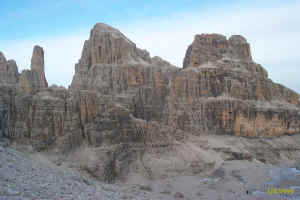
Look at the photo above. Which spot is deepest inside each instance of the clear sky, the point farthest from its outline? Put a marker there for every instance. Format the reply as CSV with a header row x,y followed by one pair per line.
x,y
164,28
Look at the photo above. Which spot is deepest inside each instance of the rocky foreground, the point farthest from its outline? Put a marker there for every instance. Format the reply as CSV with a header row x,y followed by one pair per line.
x,y
31,176
131,118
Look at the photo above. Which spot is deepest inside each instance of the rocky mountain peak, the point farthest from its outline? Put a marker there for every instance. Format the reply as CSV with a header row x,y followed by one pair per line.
x,y
213,47
108,45
101,29
37,59
34,80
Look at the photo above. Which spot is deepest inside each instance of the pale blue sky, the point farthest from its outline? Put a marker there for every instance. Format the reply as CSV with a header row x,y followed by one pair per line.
x,y
164,28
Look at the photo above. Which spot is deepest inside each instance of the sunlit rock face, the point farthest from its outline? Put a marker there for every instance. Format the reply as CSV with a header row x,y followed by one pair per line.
x,y
123,104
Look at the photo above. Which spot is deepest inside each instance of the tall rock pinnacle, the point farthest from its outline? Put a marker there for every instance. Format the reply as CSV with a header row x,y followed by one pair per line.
x,y
37,59
106,46
34,80
212,47
38,65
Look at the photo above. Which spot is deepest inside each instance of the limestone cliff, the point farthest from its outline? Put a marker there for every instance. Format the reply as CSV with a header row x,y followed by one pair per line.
x,y
124,106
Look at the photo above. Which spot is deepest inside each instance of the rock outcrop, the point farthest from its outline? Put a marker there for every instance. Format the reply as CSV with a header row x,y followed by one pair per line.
x,y
124,106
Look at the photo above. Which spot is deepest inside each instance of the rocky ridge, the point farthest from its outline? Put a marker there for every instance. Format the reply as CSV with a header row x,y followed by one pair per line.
x,y
125,109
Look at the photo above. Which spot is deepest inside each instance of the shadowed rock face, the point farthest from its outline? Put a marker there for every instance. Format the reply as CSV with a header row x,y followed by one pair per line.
x,y
123,103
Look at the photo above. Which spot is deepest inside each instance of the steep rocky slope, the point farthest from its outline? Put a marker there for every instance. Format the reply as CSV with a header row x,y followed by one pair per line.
x,y
126,112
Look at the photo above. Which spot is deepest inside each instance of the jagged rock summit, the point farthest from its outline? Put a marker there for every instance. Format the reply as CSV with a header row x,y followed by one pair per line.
x,y
125,110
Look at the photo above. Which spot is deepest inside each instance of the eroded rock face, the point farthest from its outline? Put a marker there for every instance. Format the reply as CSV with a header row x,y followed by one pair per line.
x,y
123,104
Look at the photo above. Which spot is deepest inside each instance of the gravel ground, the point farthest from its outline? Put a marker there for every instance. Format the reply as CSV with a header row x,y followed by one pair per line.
x,y
25,176
28,179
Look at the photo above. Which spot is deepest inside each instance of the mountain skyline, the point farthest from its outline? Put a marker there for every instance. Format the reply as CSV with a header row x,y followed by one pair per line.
x,y
163,29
